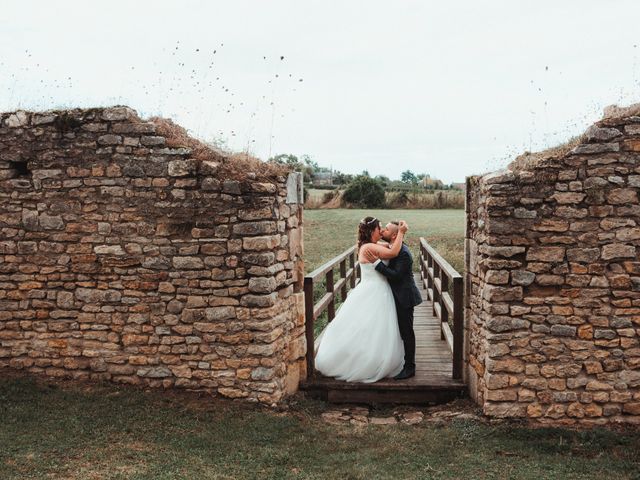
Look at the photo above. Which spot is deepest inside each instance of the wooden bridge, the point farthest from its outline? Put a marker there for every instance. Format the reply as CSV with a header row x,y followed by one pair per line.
x,y
439,358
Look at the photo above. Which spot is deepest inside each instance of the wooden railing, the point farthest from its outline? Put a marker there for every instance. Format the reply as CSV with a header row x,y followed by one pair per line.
x,y
439,279
327,301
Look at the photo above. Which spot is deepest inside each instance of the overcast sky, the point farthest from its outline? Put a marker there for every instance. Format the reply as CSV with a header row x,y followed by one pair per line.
x,y
447,88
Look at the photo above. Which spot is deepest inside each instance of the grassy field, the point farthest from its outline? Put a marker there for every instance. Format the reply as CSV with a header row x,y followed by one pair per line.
x,y
329,232
57,431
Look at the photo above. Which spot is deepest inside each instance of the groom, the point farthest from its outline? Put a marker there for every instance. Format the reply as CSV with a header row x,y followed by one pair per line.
x,y
405,293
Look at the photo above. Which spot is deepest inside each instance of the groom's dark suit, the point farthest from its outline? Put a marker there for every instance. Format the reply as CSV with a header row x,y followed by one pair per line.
x,y
406,295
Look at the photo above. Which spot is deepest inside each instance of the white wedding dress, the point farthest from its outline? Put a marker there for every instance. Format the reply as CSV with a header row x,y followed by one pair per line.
x,y
362,343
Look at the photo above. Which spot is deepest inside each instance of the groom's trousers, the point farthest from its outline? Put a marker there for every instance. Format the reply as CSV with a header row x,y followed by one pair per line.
x,y
405,324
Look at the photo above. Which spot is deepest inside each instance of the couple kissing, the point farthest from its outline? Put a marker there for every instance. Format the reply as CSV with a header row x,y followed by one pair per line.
x,y
372,335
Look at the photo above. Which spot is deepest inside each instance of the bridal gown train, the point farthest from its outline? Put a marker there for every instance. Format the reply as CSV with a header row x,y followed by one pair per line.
x,y
362,343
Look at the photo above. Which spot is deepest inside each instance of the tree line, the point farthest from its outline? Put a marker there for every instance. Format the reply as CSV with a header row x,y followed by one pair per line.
x,y
312,171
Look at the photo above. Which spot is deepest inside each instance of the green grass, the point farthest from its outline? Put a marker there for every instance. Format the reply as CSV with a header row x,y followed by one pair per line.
x,y
105,432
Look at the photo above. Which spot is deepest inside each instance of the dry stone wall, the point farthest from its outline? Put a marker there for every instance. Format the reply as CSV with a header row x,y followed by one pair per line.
x,y
553,282
124,258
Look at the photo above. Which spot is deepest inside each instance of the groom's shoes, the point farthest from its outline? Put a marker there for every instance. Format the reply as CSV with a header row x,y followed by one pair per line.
x,y
405,373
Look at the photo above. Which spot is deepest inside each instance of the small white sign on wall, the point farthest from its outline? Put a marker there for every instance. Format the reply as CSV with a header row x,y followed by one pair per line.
x,y
295,192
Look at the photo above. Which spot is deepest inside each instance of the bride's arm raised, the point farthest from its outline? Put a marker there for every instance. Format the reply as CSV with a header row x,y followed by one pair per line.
x,y
383,252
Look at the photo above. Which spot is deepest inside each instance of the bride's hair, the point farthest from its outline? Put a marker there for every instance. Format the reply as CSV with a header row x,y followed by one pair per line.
x,y
365,229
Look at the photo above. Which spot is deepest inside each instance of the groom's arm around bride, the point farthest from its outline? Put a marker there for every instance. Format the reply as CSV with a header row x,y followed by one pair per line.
x,y
399,273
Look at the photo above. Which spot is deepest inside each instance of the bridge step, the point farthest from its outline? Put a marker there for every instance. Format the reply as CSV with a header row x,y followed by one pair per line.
x,y
384,392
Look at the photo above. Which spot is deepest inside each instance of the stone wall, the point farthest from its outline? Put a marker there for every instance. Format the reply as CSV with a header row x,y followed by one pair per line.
x,y
553,281
126,257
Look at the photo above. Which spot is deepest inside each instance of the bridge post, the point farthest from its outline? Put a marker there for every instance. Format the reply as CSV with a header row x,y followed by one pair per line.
x,y
458,328
309,322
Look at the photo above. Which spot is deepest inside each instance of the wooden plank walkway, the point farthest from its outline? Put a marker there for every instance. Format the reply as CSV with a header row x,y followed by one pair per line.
x,y
433,382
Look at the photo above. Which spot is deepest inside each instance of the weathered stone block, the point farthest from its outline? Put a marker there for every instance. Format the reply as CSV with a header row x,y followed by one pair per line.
x,y
220,313
50,222
262,259
622,196
154,372
494,293
505,365
497,277
188,263
182,168
600,134
110,139
595,148
568,197
618,250
522,277
109,250
504,324
546,254
586,255
151,140
262,284
505,410
17,119
118,113
267,242
563,330
258,300
90,295
255,228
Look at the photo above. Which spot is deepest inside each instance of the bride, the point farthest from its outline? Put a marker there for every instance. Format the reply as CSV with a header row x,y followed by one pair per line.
x,y
362,343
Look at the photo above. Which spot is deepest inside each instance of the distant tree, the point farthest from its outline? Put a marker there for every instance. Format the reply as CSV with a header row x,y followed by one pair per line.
x,y
307,160
286,159
365,192
408,177
340,178
384,180
304,165
365,173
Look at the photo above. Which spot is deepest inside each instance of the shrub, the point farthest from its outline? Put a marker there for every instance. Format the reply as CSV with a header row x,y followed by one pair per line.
x,y
328,196
397,200
365,192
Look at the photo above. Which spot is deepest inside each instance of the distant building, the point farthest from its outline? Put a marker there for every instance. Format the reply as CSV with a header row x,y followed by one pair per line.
x,y
458,186
322,178
431,183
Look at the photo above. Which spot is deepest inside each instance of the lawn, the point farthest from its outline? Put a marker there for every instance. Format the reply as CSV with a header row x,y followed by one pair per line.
x,y
329,232
60,430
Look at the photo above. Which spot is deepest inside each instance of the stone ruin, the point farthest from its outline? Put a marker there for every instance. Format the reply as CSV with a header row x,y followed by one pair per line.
x,y
553,281
132,253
